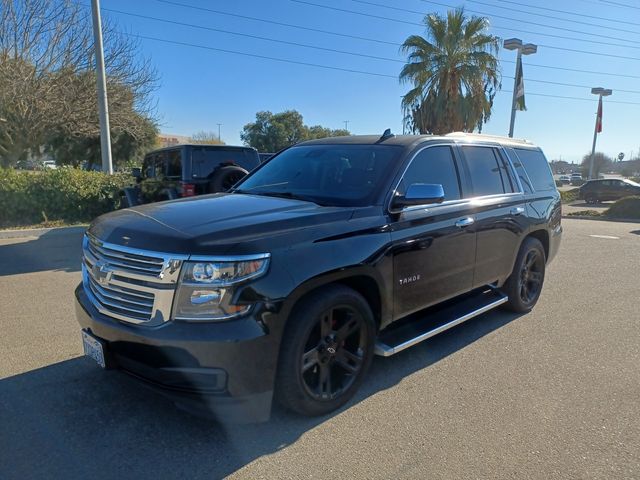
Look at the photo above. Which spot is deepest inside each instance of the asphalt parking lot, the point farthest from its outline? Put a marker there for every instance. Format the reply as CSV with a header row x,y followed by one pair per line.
x,y
552,394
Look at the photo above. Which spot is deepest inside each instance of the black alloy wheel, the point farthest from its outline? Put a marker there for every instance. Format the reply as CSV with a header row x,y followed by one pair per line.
x,y
524,285
531,276
326,350
333,353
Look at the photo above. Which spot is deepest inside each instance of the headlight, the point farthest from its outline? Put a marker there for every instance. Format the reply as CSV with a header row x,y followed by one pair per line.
x,y
206,288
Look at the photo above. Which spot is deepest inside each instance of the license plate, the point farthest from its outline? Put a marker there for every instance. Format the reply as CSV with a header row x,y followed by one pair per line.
x,y
93,348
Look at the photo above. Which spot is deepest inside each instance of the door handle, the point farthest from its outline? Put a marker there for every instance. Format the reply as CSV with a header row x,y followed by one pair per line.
x,y
517,210
465,222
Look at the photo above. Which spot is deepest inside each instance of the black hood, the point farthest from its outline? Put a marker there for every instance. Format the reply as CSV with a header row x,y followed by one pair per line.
x,y
214,224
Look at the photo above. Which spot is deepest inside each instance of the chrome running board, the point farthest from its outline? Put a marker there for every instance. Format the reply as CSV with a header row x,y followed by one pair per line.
x,y
433,321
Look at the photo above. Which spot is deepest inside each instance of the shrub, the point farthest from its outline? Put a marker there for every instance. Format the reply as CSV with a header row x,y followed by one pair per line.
x,y
569,196
65,194
628,207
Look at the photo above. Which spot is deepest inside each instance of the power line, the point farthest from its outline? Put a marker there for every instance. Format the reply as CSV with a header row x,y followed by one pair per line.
x,y
597,42
254,55
257,37
532,23
623,5
273,22
597,17
191,25
622,75
327,32
344,10
328,67
553,17
413,23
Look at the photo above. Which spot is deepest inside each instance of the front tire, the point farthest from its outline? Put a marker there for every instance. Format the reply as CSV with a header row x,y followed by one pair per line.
x,y
524,285
327,349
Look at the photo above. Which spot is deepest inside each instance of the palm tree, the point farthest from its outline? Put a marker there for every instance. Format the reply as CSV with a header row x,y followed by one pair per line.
x,y
454,73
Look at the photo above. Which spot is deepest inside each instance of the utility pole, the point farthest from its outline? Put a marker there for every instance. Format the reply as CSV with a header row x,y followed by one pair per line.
x,y
601,92
219,125
346,125
103,107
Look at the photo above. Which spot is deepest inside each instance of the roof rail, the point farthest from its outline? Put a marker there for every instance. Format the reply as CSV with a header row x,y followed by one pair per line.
x,y
496,138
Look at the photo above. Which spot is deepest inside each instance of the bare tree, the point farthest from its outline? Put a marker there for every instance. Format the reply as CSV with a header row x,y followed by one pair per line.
x,y
206,138
47,77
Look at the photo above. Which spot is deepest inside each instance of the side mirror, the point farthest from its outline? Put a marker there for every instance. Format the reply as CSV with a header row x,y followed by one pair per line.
x,y
420,194
136,173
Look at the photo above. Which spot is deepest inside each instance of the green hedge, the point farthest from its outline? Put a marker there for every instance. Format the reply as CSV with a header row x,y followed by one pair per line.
x,y
65,194
628,207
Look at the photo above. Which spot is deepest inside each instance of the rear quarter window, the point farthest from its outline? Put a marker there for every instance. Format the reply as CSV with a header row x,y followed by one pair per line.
x,y
537,168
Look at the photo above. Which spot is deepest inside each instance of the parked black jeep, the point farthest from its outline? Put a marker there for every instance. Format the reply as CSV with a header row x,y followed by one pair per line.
x,y
188,170
330,252
595,191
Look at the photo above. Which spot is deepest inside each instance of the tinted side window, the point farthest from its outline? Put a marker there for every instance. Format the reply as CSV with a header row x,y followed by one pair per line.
x,y
538,169
522,175
433,165
486,171
174,164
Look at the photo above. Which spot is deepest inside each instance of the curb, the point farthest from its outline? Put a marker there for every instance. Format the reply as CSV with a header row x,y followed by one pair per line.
x,y
39,232
601,219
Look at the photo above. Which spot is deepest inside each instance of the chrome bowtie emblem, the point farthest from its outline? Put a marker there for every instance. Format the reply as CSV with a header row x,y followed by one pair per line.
x,y
101,272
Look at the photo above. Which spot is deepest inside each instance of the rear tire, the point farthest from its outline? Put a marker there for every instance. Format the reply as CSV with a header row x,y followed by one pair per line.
x,y
326,351
226,177
524,285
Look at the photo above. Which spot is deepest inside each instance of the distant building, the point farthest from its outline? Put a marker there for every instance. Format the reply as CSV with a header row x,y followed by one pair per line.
x,y
169,140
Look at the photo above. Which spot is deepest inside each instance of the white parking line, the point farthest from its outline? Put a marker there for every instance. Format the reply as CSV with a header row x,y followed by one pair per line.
x,y
608,237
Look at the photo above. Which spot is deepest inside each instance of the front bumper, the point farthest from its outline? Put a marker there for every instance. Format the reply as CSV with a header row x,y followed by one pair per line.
x,y
226,369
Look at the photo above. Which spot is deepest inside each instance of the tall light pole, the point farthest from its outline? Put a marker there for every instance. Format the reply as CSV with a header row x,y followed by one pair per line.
x,y
103,107
219,125
526,49
601,92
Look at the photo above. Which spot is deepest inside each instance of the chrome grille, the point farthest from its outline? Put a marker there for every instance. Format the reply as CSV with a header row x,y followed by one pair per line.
x,y
125,260
127,284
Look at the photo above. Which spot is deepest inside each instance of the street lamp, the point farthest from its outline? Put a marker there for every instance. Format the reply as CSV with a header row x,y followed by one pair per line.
x,y
601,92
526,49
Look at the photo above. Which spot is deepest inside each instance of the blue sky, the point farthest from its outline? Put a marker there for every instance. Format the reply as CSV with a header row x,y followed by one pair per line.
x,y
200,87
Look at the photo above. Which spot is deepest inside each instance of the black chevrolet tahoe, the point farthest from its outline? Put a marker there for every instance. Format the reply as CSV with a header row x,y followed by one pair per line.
x,y
332,251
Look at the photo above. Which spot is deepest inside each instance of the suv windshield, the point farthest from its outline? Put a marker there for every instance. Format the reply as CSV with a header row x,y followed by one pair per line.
x,y
337,175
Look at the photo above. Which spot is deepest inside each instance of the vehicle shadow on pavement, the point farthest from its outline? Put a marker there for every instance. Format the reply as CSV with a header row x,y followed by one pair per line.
x,y
54,250
71,420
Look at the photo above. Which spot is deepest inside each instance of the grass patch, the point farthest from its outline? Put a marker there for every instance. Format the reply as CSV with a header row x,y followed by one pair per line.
x,y
585,213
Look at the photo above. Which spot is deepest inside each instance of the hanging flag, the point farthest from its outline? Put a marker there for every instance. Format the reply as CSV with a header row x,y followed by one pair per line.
x,y
520,105
599,117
